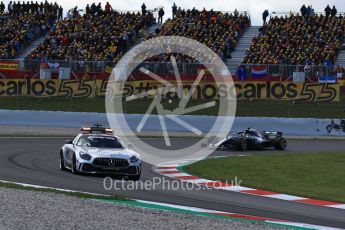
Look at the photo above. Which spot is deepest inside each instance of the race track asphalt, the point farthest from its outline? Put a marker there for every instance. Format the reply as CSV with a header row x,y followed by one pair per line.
x,y
36,161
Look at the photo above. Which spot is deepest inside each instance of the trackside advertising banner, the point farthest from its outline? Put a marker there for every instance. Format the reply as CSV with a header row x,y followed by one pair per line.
x,y
205,90
9,65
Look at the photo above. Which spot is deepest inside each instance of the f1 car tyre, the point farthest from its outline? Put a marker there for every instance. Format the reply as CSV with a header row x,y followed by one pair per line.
x,y
280,144
62,162
224,147
134,178
242,146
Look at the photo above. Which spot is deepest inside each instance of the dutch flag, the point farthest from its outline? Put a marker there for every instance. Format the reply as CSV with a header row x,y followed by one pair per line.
x,y
259,71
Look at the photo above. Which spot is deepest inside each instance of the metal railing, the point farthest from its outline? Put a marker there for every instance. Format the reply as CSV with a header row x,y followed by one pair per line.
x,y
184,68
310,71
295,13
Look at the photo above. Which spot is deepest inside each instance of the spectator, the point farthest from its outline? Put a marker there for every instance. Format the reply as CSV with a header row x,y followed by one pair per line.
x,y
327,11
160,15
264,16
334,11
2,7
10,7
108,8
75,12
88,9
69,14
241,72
93,9
303,10
236,13
99,10
60,15
143,9
308,12
174,10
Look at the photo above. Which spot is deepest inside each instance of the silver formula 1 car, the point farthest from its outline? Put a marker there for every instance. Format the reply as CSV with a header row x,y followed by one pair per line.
x,y
252,139
97,151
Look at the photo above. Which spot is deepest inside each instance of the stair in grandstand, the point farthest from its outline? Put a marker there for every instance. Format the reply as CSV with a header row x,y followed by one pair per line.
x,y
341,57
240,51
31,48
152,28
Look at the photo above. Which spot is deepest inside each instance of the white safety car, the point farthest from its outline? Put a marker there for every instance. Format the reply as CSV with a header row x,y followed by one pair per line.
x,y
97,151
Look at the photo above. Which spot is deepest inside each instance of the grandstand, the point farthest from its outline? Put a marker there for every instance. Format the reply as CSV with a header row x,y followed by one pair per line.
x,y
22,24
218,30
100,36
298,40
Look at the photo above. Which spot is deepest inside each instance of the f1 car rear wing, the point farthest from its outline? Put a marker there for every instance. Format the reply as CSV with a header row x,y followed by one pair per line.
x,y
273,133
96,129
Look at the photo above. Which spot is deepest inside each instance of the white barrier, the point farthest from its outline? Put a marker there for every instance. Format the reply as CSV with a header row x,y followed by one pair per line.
x,y
290,126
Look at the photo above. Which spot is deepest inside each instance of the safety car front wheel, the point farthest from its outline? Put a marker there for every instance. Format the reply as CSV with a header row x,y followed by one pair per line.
x,y
134,178
74,165
62,162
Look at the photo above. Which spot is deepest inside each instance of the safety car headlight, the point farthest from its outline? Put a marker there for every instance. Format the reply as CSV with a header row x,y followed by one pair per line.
x,y
133,159
85,156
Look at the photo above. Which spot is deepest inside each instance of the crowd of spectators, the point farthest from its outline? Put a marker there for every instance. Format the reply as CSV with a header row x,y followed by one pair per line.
x,y
31,7
96,35
217,30
22,23
298,39
102,33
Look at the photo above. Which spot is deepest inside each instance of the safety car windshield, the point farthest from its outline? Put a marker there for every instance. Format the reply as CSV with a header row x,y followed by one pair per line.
x,y
99,142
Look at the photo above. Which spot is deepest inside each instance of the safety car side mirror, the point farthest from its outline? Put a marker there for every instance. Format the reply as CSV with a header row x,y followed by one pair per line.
x,y
69,142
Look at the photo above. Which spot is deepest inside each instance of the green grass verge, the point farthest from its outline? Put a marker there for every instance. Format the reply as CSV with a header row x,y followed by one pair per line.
x,y
244,107
311,175
51,190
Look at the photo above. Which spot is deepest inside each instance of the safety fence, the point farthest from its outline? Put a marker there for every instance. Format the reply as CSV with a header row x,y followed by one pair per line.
x,y
167,68
289,126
